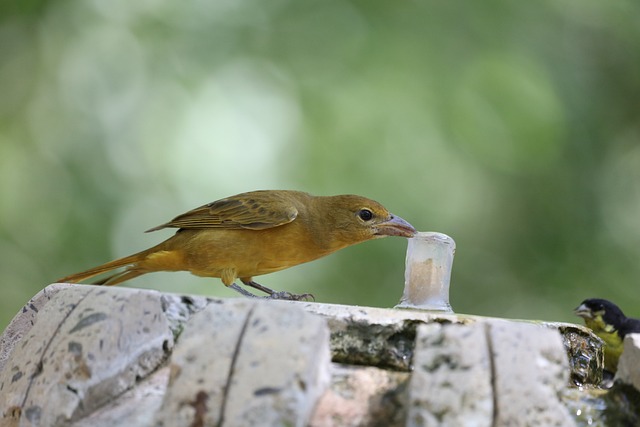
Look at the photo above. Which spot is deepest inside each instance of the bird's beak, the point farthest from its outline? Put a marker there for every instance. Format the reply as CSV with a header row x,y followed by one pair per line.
x,y
583,311
395,226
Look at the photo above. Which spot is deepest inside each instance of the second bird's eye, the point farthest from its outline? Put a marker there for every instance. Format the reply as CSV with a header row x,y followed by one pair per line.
x,y
365,215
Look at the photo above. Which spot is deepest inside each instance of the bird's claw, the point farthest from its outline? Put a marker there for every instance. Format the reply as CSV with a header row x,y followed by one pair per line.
x,y
284,295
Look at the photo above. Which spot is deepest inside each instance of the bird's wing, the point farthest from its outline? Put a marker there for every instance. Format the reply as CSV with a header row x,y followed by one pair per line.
x,y
254,211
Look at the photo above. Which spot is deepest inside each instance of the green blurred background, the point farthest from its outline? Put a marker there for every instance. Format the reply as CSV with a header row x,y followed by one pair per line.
x,y
514,127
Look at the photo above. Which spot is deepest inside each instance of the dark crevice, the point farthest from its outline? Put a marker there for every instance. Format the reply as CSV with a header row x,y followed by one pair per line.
x,y
232,367
492,373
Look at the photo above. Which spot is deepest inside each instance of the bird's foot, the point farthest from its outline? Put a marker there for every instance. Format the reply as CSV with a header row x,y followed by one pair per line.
x,y
288,296
284,295
278,295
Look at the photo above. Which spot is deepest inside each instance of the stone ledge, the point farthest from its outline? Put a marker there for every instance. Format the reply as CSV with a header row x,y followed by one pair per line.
x,y
85,356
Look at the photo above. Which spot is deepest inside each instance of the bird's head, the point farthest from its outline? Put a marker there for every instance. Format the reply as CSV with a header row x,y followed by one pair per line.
x,y
355,219
600,315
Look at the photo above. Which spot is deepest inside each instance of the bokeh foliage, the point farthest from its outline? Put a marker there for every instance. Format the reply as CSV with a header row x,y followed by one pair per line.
x,y
514,127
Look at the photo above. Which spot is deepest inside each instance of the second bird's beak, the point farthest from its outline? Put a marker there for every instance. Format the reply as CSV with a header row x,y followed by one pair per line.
x,y
395,226
583,311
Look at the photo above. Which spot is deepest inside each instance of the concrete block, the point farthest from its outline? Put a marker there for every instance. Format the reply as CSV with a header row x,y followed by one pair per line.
x,y
530,371
363,396
451,384
87,346
200,365
493,373
247,362
629,364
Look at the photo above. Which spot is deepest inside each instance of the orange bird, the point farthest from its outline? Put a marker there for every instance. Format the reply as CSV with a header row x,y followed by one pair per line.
x,y
256,233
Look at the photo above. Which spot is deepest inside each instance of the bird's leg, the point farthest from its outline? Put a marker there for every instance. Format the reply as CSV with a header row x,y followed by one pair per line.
x,y
276,295
258,286
243,291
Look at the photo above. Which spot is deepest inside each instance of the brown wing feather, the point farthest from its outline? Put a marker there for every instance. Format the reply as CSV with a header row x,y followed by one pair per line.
x,y
256,210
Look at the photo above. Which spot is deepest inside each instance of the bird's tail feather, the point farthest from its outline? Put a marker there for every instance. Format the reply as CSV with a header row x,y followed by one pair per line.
x,y
120,277
116,278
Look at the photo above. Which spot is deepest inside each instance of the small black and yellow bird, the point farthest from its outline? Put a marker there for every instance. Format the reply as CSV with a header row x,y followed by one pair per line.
x,y
256,233
608,322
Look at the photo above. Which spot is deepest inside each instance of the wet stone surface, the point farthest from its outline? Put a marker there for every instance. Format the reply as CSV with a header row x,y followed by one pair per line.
x,y
585,354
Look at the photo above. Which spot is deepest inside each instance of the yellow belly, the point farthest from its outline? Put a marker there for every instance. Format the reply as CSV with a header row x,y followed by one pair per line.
x,y
231,254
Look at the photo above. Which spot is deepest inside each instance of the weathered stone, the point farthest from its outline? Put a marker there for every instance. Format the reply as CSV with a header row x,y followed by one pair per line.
x,y
451,381
178,309
201,364
24,320
492,373
629,364
255,362
385,337
283,387
376,336
530,370
247,362
135,407
362,396
90,346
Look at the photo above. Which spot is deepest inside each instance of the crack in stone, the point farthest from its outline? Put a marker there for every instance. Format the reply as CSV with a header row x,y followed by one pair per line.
x,y
492,372
40,364
232,367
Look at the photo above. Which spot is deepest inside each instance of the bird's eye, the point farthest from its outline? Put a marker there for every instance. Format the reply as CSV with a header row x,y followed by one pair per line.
x,y
365,215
